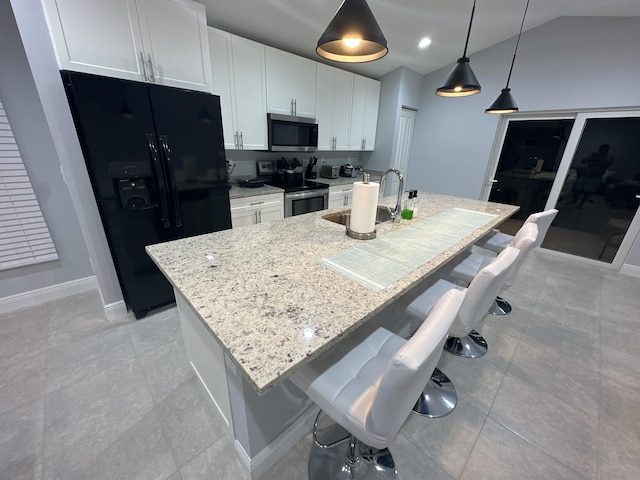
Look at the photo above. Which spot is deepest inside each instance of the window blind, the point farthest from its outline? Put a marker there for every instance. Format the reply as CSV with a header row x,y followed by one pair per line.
x,y
24,236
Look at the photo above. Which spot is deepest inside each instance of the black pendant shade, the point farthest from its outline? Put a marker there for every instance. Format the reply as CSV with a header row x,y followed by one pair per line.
x,y
505,102
461,81
353,35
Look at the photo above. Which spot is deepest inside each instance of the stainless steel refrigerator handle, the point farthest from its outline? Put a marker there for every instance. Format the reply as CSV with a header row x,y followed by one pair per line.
x,y
144,67
158,177
172,179
151,74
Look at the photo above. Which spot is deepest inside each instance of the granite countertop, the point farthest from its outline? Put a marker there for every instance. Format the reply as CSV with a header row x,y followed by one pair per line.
x,y
268,302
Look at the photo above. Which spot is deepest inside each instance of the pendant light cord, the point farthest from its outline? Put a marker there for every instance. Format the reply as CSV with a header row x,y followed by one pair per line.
x,y
517,43
466,44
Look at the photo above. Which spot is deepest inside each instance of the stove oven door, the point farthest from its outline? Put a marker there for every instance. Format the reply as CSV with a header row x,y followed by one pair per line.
x,y
298,203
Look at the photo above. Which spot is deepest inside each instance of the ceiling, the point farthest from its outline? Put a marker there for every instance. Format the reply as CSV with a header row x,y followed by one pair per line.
x,y
296,25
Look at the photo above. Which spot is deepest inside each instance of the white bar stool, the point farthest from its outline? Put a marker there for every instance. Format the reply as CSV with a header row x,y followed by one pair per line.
x,y
367,384
497,241
464,339
471,263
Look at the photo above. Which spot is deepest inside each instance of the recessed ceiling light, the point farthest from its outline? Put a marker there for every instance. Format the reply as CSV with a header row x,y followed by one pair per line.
x,y
424,43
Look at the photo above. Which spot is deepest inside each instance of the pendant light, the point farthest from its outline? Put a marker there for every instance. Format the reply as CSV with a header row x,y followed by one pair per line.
x,y
353,35
461,81
505,102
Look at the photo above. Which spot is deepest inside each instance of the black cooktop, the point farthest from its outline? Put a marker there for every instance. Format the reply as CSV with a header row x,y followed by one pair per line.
x,y
293,182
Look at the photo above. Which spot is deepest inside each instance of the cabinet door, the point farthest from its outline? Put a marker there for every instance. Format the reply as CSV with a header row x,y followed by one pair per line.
x,y
291,84
222,82
304,86
371,114
279,66
342,109
325,98
243,216
340,196
96,36
250,93
175,40
271,212
364,113
358,113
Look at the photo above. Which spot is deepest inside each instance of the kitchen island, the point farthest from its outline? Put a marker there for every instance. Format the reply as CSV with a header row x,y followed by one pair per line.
x,y
255,305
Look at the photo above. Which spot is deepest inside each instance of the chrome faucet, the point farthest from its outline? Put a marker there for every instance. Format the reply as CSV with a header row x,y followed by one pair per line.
x,y
396,215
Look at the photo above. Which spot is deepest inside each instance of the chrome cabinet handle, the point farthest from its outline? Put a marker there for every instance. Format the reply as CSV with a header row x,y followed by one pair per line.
x,y
255,216
259,216
256,203
295,107
151,74
293,110
144,67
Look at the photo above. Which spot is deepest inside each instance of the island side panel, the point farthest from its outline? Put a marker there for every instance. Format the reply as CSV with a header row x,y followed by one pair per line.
x,y
206,357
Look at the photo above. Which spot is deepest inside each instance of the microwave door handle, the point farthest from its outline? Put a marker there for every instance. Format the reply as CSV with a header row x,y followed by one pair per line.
x,y
158,177
172,179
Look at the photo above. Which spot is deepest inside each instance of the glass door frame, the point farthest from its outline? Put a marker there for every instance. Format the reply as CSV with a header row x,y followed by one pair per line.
x,y
580,119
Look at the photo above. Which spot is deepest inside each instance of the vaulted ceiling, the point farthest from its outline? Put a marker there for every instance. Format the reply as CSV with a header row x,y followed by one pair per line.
x,y
296,25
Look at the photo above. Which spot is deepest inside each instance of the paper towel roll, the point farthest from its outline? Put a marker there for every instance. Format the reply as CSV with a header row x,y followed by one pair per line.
x,y
363,207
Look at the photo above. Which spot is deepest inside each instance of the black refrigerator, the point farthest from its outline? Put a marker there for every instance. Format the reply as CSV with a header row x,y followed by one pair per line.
x,y
156,159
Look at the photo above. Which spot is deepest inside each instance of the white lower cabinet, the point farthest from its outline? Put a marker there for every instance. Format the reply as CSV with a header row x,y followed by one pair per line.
x,y
340,196
256,209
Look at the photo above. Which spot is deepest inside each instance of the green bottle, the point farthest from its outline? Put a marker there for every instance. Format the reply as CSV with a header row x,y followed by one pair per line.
x,y
407,211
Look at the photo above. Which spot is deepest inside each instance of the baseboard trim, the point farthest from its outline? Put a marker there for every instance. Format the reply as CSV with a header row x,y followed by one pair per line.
x,y
630,270
115,310
269,456
46,294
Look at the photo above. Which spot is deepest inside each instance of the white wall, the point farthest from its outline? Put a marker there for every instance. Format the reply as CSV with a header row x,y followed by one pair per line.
x,y
569,63
399,88
64,156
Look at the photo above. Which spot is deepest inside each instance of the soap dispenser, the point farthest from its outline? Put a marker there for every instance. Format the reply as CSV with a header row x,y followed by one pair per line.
x,y
407,211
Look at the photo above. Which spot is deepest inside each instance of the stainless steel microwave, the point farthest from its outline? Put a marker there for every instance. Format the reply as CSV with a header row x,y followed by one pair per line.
x,y
292,134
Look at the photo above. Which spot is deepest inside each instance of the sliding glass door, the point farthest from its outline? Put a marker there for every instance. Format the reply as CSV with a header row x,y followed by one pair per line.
x,y
588,167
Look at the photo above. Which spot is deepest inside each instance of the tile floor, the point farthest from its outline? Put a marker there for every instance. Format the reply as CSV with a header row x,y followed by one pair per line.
x,y
556,397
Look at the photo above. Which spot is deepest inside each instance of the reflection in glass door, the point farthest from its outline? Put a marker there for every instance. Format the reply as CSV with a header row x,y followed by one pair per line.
x,y
529,160
589,169
597,198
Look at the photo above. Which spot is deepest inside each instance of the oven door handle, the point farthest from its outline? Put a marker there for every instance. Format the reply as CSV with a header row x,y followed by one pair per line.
x,y
311,193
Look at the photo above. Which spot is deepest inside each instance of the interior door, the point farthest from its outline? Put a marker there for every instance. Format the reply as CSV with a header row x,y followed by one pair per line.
x,y
402,149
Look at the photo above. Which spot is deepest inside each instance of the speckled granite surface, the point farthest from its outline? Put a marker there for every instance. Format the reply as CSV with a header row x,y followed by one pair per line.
x,y
266,300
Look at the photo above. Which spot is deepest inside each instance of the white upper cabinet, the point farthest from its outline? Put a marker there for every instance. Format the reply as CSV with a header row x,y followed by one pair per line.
x,y
364,113
334,91
238,69
157,41
291,84
222,82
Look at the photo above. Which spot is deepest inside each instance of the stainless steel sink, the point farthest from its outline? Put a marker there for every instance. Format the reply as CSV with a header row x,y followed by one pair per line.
x,y
344,217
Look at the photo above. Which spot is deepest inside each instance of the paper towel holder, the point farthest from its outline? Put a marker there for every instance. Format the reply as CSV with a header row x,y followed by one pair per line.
x,y
357,235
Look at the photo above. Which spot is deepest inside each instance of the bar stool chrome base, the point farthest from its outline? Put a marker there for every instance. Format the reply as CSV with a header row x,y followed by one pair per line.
x,y
470,346
500,307
351,460
438,399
